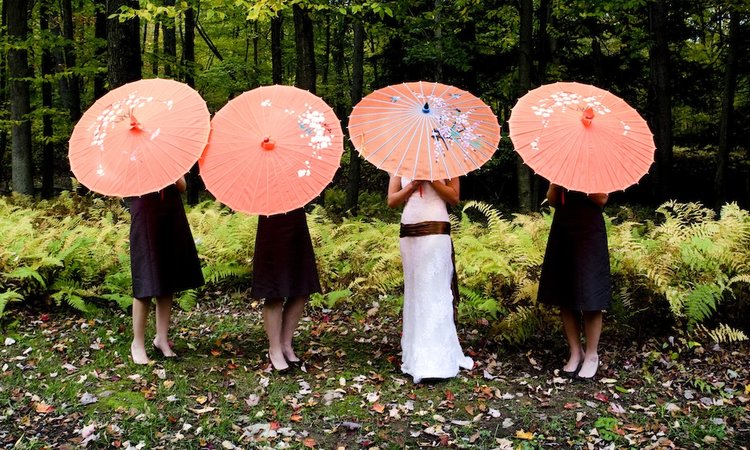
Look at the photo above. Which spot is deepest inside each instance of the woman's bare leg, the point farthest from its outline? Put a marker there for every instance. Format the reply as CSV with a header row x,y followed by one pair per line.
x,y
273,314
141,308
293,310
573,337
163,316
592,328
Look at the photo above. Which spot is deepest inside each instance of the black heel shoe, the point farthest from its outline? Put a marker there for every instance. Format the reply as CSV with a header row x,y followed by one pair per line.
x,y
573,374
161,354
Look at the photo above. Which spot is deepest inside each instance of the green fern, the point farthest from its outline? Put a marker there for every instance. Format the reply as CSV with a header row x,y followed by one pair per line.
x,y
187,299
8,297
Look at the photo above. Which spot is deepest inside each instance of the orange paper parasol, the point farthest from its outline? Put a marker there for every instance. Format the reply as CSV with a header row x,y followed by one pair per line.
x,y
424,131
581,137
139,138
272,150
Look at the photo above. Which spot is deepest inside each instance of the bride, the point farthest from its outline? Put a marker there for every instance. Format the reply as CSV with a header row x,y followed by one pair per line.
x,y
429,343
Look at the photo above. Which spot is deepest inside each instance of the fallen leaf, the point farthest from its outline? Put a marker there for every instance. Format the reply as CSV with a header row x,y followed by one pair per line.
x,y
87,399
449,395
601,397
43,408
295,418
201,399
309,442
527,435
377,407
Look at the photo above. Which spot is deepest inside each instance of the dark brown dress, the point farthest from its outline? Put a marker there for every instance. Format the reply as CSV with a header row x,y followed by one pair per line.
x,y
284,260
163,258
575,272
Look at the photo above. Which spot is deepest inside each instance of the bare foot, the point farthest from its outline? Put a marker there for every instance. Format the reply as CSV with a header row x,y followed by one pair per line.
x,y
589,367
138,353
165,347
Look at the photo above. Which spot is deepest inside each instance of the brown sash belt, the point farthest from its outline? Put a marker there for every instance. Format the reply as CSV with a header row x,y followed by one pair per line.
x,y
426,229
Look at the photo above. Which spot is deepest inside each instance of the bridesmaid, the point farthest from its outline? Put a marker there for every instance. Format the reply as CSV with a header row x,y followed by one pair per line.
x,y
163,260
576,274
284,274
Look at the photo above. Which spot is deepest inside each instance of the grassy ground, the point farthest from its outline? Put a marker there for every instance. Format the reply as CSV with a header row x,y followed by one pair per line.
x,y
66,382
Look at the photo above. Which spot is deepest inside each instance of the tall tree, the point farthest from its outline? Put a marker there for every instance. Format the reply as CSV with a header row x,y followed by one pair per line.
x,y
123,45
305,75
661,97
20,96
194,182
525,48
277,30
3,92
72,95
727,107
155,49
358,57
170,42
47,68
100,33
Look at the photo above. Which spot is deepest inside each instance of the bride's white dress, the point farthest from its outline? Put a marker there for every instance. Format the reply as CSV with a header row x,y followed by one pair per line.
x,y
429,344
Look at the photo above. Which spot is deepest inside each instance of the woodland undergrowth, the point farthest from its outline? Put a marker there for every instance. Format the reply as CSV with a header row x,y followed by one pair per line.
x,y
684,267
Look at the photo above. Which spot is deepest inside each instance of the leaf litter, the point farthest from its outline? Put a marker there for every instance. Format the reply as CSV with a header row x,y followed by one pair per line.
x,y
69,384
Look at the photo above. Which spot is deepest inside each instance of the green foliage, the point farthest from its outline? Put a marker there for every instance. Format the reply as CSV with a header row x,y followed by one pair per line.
x,y
75,251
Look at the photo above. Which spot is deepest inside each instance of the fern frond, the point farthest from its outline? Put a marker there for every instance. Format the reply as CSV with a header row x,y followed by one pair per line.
x,y
188,299
7,297
723,334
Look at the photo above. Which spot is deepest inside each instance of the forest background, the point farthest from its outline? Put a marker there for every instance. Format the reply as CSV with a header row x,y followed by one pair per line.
x,y
682,64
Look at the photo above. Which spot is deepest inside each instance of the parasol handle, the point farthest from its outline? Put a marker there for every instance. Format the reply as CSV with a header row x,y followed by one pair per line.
x,y
588,116
267,144
426,108
134,124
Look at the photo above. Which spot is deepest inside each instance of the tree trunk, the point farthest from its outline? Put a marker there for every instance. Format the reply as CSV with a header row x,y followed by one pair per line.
x,y
3,98
727,109
155,50
661,98
355,163
123,46
100,32
305,76
523,172
20,97
277,74
438,42
170,43
327,51
194,181
188,47
543,47
73,100
48,148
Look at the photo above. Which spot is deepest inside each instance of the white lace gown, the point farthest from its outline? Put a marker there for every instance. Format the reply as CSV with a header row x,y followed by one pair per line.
x,y
429,344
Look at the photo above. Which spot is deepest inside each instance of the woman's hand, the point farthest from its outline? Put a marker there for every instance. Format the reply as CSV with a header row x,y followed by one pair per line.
x,y
398,195
448,190
181,184
599,199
